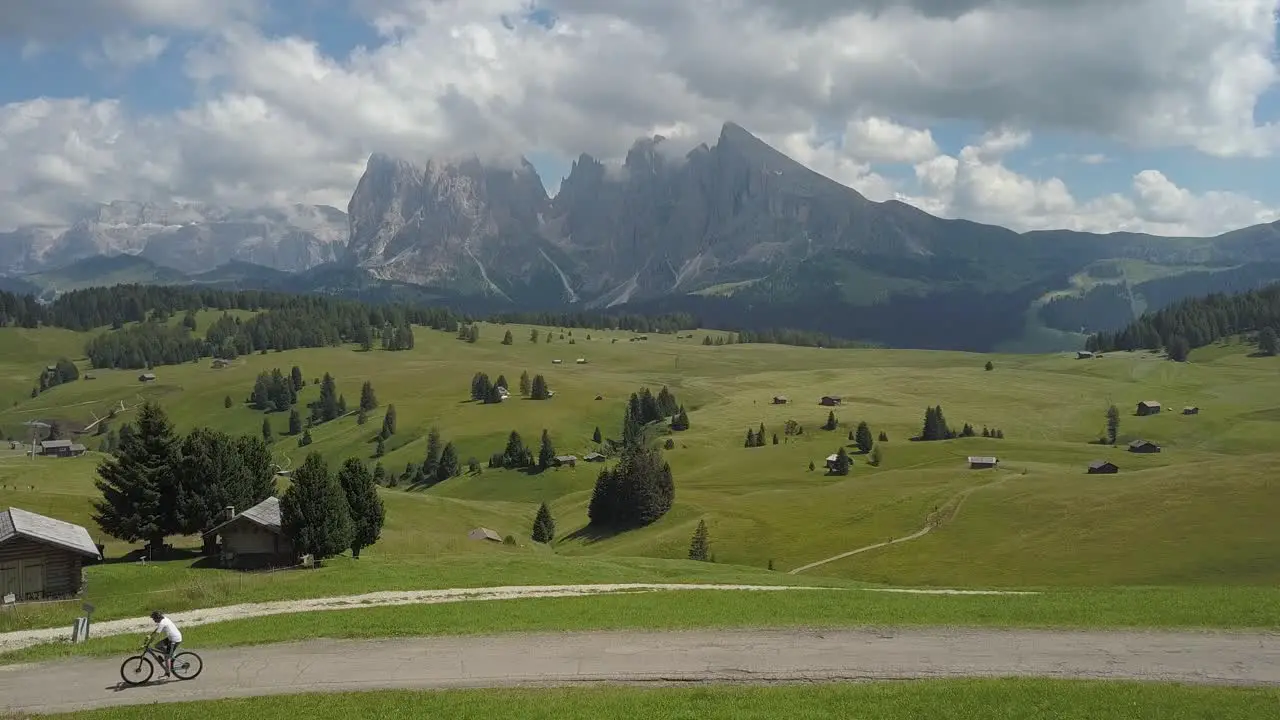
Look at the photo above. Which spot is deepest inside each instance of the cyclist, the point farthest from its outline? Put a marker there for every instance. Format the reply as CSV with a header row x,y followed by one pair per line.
x,y
173,637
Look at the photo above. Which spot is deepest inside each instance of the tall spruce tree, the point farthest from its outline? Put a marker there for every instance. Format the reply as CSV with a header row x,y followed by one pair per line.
x,y
700,545
538,389
596,437
140,486
449,465
1113,424
507,339
326,408
546,451
525,384
389,422
367,512
831,423
295,376
314,512
862,438
295,422
432,460
1268,343
267,435
368,400
544,526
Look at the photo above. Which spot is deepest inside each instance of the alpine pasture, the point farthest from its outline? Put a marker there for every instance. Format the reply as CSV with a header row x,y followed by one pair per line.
x,y
1199,515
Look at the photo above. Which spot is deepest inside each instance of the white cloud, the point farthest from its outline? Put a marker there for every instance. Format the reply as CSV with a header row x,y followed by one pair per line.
x,y
277,119
125,52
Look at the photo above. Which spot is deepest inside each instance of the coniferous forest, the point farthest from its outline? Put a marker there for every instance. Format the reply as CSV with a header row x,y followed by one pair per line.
x,y
1195,323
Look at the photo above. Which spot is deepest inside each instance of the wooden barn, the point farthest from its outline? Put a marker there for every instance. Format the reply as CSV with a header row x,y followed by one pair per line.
x,y
983,462
40,557
829,400
1103,467
1191,410
254,538
1148,407
1143,446
483,533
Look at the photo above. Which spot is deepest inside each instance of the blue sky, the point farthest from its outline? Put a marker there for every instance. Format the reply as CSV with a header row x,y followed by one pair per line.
x,y
529,90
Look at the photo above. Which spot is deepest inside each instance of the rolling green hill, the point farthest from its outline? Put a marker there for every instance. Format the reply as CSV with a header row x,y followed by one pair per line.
x,y
1200,512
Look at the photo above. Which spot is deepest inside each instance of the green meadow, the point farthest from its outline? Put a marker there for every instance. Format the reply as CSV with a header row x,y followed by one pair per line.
x,y
1200,515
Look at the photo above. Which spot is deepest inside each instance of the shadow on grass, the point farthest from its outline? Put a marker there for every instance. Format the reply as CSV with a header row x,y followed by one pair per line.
x,y
590,534
134,556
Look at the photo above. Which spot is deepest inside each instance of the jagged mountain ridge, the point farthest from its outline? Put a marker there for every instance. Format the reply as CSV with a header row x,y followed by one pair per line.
x,y
188,237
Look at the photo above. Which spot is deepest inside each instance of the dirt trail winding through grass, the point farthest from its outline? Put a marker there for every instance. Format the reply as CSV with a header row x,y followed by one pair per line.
x,y
659,658
947,512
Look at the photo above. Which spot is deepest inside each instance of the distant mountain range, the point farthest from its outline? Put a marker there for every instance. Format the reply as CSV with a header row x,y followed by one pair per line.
x,y
188,237
736,232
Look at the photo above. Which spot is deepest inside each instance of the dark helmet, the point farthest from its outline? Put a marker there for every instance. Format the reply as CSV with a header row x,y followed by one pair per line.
x,y
156,615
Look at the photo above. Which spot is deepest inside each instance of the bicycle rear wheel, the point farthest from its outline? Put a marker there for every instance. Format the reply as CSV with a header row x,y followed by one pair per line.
x,y
137,670
187,665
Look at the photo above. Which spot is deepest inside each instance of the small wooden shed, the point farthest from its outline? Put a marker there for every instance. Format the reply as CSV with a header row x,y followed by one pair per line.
x,y
41,557
1148,407
483,533
254,538
1103,467
982,462
1143,446
1191,410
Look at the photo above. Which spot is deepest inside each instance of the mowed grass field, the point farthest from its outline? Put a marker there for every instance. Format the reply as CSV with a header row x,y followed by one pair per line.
x,y
1200,513
941,699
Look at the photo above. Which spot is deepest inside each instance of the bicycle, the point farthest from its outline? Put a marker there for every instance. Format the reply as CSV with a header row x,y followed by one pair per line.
x,y
186,665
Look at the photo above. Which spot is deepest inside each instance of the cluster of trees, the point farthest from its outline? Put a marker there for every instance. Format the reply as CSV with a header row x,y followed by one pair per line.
x,y
798,338
469,332
487,391
756,438
1197,322
63,371
517,456
272,391
325,513
640,488
861,437
936,428
440,463
159,484
145,346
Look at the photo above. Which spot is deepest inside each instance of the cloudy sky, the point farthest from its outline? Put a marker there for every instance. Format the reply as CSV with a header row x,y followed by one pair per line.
x,y
1153,115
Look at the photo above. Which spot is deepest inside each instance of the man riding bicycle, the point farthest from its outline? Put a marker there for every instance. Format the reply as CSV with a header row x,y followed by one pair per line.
x,y
168,646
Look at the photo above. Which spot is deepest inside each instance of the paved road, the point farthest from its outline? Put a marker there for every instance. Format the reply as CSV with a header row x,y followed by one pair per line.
x,y
657,657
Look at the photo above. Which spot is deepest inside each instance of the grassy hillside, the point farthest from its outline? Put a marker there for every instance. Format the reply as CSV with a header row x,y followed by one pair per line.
x,y
1199,513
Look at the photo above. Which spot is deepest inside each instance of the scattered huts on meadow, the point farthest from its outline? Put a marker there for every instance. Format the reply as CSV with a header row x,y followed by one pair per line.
x,y
829,400
41,557
1148,407
979,462
1103,467
780,400
1143,446
561,460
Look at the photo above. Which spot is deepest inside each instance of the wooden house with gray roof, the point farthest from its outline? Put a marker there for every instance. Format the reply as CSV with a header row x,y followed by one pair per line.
x,y
41,557
254,538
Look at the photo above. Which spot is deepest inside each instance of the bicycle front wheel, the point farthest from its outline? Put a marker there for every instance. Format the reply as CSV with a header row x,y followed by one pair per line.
x,y
137,670
187,665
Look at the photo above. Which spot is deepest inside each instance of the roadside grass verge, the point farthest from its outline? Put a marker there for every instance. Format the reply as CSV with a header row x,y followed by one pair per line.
x,y
1012,699
1164,608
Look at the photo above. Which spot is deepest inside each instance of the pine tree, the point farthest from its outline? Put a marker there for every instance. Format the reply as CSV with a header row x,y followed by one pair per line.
x,y
481,388
380,449
515,455
362,417
525,385
449,466
1178,348
379,475
367,512
533,335
226,402
990,366
314,512
389,422
775,438
1113,424
140,484
305,440
760,436
1268,343
507,339
267,436
295,422
544,526
538,388
842,462
433,453
501,382
326,408
700,546
862,438
295,376
681,420
342,405
876,456
636,492
884,436
632,432
368,400
546,451
751,438
831,423
596,437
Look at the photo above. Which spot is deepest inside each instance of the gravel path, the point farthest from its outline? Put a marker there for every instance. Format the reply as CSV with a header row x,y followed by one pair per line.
x,y
759,656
